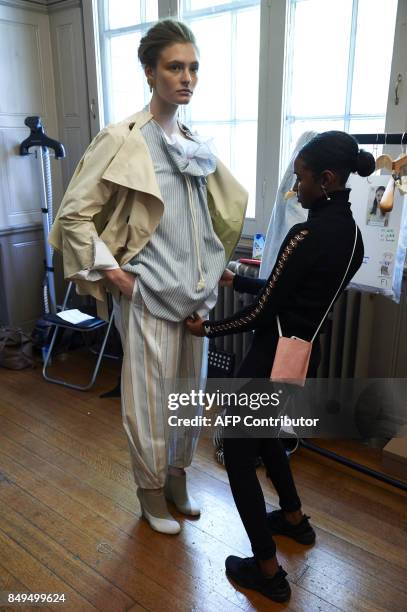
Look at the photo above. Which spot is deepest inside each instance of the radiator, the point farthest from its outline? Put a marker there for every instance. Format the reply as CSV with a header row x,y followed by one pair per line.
x,y
341,343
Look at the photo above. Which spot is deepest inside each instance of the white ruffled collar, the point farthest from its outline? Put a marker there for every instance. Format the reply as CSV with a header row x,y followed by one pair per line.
x,y
198,147
194,155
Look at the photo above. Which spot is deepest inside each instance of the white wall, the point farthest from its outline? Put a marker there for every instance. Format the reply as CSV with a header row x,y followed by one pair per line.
x,y
42,73
26,88
68,46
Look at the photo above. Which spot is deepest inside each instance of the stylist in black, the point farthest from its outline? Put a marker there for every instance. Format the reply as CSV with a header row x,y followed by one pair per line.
x,y
310,267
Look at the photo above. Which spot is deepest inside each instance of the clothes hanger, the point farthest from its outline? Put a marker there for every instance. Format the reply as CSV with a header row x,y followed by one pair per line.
x,y
400,164
400,167
394,165
384,161
387,201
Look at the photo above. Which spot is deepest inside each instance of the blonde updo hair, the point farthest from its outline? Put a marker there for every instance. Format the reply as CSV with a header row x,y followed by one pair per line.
x,y
161,35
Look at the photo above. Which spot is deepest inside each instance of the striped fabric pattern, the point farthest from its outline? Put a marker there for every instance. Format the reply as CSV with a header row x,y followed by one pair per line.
x,y
159,357
167,267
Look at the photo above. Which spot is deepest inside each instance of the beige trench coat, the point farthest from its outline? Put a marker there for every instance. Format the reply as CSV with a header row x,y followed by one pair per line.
x,y
114,194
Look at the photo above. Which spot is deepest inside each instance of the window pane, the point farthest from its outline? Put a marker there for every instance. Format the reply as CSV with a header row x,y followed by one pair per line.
x,y
127,80
212,97
299,127
225,103
236,147
319,64
123,13
222,136
124,84
197,5
150,11
368,126
247,62
362,79
245,158
374,48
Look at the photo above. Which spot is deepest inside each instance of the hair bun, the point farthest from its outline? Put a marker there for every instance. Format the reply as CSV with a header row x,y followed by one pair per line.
x,y
365,163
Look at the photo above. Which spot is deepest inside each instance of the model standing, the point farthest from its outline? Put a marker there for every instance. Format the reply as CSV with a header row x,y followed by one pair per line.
x,y
151,214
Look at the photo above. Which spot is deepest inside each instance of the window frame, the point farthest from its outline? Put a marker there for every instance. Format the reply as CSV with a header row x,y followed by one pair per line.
x,y
253,224
347,116
275,16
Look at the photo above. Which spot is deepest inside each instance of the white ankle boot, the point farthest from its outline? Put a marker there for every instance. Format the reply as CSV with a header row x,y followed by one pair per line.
x,y
155,511
176,491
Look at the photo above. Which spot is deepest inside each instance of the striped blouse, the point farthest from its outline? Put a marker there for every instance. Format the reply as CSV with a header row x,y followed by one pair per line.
x,y
179,268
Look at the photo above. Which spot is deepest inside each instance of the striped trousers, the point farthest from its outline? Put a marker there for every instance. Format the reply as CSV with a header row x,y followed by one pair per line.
x,y
159,357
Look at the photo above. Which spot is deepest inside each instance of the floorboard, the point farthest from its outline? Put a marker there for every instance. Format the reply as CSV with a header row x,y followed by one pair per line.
x,y
70,519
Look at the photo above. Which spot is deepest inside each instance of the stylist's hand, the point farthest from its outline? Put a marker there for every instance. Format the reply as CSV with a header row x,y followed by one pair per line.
x,y
226,280
195,326
123,280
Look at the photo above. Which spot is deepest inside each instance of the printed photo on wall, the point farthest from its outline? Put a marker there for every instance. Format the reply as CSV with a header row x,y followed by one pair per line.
x,y
384,236
374,216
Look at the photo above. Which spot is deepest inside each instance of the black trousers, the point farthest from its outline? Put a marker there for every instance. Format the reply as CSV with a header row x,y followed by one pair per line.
x,y
241,455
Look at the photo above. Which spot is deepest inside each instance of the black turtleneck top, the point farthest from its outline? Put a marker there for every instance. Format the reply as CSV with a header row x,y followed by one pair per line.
x,y
309,269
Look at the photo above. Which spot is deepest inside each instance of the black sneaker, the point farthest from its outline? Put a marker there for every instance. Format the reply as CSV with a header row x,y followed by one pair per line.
x,y
302,533
248,575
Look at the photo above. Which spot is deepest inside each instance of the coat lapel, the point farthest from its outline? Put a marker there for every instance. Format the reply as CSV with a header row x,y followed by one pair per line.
x,y
132,166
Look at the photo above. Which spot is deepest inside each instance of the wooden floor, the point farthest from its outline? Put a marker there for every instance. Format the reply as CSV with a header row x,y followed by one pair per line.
x,y
70,520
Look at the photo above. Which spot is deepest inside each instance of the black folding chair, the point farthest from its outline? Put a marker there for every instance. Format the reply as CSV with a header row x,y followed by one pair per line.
x,y
87,326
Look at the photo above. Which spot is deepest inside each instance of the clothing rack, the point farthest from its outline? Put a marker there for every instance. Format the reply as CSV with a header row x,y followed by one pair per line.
x,y
379,139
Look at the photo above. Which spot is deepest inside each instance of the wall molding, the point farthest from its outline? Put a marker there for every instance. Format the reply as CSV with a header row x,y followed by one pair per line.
x,y
42,6
20,229
29,5
59,5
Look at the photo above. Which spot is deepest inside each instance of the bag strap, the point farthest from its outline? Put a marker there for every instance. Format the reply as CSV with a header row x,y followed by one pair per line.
x,y
335,296
339,288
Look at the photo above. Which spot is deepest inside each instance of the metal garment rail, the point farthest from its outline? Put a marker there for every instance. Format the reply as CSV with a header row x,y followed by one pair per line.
x,y
354,465
381,139
390,139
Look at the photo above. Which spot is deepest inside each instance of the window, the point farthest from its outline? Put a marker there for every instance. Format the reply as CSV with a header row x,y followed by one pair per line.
x,y
337,77
226,100
121,26
323,64
225,103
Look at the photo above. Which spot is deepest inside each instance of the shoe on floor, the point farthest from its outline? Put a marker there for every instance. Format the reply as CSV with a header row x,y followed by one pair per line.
x,y
302,533
155,511
247,574
176,491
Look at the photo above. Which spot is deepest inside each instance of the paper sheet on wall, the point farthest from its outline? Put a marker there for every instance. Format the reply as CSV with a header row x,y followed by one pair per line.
x,y
384,236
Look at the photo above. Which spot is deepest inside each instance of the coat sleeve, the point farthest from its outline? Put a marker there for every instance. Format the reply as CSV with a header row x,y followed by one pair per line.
x,y
85,197
103,260
292,264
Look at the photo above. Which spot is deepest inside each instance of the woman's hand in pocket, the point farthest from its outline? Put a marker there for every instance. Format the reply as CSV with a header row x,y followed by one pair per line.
x,y
123,280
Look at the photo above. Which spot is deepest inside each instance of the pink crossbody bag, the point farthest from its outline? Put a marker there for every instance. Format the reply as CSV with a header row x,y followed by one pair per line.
x,y
293,354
